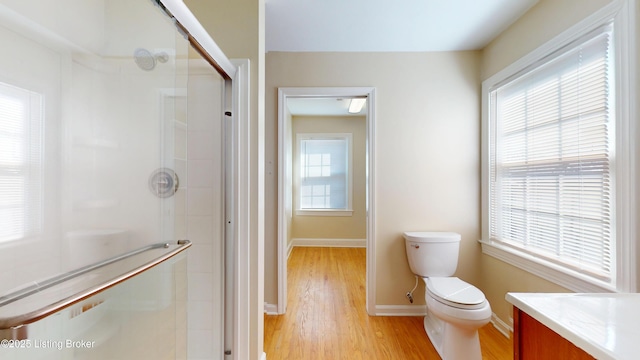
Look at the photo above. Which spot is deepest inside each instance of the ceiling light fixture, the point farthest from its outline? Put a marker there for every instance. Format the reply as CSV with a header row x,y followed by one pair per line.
x,y
356,104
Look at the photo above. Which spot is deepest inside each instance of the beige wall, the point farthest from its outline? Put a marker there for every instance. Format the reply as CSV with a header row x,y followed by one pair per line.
x,y
540,24
335,227
237,26
427,157
636,144
428,117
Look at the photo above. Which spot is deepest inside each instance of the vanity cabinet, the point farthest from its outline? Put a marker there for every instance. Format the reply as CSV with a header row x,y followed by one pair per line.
x,y
533,340
570,326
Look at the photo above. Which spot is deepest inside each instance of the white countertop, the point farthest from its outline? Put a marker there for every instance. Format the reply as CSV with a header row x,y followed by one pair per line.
x,y
607,326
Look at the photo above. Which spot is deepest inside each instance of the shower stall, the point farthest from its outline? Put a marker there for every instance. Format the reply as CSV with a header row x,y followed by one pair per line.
x,y
116,128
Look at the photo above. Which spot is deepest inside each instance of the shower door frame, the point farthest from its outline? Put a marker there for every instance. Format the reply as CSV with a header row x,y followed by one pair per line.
x,y
237,171
239,194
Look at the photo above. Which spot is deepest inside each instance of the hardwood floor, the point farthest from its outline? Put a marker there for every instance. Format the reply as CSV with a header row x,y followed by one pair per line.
x,y
326,316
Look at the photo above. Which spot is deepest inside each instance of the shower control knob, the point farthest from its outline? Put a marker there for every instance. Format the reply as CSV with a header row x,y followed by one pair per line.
x,y
163,183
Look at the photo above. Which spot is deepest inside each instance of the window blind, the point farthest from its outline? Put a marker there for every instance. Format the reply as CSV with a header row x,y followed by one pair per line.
x,y
21,121
323,172
551,145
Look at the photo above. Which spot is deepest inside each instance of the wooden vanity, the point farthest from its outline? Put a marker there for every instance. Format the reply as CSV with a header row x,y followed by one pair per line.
x,y
533,340
575,326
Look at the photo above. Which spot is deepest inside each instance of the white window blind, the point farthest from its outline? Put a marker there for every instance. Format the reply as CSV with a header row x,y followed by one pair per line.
x,y
324,172
551,150
21,122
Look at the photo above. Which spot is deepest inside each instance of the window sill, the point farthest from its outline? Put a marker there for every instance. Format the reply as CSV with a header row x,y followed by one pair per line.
x,y
571,280
324,212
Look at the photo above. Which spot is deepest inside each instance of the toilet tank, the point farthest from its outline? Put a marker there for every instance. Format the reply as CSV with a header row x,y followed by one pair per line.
x,y
432,253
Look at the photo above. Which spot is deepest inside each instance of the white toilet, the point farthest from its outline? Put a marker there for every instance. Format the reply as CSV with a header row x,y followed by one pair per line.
x,y
455,309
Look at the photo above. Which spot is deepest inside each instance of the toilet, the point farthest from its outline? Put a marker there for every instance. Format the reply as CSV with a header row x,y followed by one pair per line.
x,y
455,309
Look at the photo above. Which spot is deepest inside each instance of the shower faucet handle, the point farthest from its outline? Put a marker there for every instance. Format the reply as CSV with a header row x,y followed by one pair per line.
x,y
164,182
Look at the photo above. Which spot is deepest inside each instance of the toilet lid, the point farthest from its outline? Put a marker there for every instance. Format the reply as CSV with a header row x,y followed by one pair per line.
x,y
455,292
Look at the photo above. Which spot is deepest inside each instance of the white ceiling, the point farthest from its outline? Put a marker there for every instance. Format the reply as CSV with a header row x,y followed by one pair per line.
x,y
377,25
328,106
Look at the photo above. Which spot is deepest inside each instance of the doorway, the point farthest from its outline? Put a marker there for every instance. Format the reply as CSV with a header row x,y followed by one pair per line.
x,y
288,205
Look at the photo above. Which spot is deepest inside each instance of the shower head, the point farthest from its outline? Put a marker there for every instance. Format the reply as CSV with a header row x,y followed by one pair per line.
x,y
146,60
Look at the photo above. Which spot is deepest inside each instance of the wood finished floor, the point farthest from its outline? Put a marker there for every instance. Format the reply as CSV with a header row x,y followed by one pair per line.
x,y
326,316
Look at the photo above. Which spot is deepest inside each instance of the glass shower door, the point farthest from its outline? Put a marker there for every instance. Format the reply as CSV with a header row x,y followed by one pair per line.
x,y
205,210
111,139
82,131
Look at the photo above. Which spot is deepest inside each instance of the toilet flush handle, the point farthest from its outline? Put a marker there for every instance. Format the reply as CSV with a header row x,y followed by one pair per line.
x,y
416,246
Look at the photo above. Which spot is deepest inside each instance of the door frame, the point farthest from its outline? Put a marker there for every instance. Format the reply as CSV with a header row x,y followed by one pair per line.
x,y
238,212
285,186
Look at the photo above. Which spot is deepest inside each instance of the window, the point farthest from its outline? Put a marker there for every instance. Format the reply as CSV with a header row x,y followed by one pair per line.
x,y
324,173
21,118
549,179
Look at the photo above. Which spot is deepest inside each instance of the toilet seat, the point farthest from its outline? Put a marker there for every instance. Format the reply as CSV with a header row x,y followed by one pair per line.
x,y
454,292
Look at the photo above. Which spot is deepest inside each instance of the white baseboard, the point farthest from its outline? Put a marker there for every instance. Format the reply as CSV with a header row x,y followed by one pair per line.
x,y
421,310
271,309
381,310
501,326
400,310
410,310
354,243
264,356
289,249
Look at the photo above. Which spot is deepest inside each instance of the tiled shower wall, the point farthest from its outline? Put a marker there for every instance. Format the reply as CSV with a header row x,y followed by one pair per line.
x,y
204,213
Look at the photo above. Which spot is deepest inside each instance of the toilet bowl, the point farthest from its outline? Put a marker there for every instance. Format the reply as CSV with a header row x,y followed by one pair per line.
x,y
455,309
457,317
